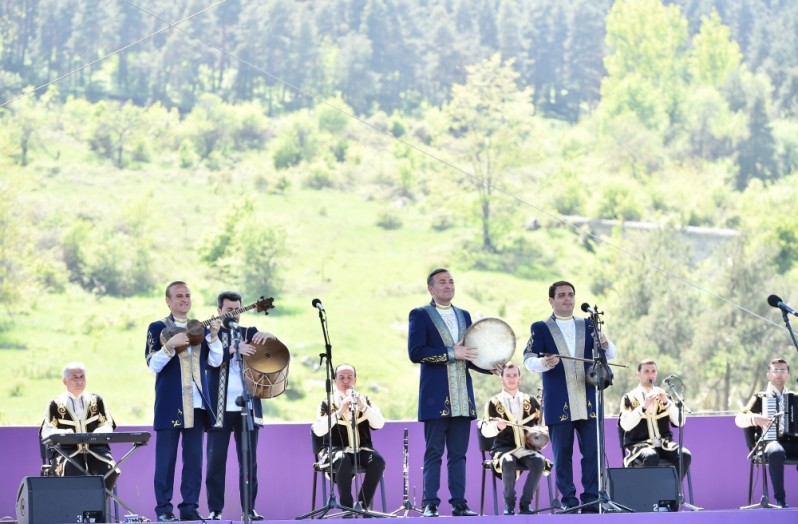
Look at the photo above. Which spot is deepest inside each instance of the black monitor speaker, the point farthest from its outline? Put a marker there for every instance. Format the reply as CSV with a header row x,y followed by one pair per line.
x,y
53,500
644,489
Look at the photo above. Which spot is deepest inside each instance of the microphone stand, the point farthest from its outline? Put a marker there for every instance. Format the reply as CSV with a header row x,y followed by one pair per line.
x,y
358,508
332,502
247,415
603,378
758,449
789,328
683,408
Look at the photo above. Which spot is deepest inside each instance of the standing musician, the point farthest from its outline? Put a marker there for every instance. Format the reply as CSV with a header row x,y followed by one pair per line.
x,y
79,411
181,400
569,403
506,415
446,395
754,415
347,403
647,415
225,387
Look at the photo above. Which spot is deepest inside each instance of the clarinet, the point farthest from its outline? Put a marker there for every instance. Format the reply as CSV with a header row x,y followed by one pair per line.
x,y
405,470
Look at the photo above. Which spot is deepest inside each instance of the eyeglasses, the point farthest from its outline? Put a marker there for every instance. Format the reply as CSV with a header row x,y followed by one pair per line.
x,y
779,371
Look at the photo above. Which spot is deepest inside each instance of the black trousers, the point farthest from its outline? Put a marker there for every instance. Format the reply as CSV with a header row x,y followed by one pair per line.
x,y
343,467
218,444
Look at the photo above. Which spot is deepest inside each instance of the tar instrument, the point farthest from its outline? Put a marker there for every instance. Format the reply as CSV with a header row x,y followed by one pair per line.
x,y
494,340
266,370
196,329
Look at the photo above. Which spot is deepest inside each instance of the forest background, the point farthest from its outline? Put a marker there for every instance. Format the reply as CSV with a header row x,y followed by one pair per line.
x,y
340,149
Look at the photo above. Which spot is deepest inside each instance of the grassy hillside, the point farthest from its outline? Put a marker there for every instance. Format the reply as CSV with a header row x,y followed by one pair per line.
x,y
368,279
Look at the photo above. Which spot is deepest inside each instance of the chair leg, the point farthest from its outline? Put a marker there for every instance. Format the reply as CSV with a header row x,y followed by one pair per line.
x,y
382,492
690,486
495,497
482,497
313,496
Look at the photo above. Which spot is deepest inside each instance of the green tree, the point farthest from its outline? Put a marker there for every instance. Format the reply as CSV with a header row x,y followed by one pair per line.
x,y
245,255
488,118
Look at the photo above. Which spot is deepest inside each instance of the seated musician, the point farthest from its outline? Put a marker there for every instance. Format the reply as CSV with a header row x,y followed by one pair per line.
x,y
757,414
647,415
367,417
79,411
504,414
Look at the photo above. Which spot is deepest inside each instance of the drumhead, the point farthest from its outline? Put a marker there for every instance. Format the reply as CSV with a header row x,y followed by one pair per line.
x,y
494,340
270,356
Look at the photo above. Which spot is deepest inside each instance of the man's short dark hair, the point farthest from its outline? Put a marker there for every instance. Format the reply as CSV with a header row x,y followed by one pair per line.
x,y
232,296
434,272
173,284
645,362
510,365
778,361
335,372
553,287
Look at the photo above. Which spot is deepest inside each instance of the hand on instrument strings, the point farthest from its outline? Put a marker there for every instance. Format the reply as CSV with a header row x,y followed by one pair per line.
x,y
760,420
462,352
603,341
500,423
214,327
245,349
181,339
261,336
551,361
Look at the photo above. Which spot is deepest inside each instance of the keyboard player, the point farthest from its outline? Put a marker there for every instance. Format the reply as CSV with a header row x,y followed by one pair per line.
x,y
759,411
79,411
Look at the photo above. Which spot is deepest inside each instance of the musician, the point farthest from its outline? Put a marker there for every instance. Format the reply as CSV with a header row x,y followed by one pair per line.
x,y
754,415
647,415
79,411
225,387
446,396
569,403
346,404
181,400
506,414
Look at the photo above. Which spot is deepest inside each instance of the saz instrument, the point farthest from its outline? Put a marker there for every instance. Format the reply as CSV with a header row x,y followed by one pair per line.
x,y
196,329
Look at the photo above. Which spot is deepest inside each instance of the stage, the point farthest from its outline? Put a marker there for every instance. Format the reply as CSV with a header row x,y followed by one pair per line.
x,y
285,475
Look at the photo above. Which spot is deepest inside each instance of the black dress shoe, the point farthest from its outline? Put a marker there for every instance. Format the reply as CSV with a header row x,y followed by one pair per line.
x,y
782,503
462,510
508,510
430,510
193,515
253,515
167,517
525,510
214,515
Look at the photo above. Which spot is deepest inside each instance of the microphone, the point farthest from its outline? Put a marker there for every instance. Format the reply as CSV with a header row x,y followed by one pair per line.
x,y
668,379
317,304
775,301
230,323
587,309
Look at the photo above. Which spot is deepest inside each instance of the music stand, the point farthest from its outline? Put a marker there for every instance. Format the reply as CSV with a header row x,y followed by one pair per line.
x,y
759,449
602,379
406,506
675,389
